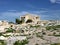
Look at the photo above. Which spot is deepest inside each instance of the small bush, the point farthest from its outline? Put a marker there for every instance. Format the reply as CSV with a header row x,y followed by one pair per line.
x,y
56,44
36,44
10,30
1,34
21,42
2,42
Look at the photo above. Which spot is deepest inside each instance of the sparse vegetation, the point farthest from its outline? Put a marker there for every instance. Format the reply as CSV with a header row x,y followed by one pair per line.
x,y
52,27
10,30
1,34
38,35
6,35
57,35
36,44
35,26
2,42
56,44
21,42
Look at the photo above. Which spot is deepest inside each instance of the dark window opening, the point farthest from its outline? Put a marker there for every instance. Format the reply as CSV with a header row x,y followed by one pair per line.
x,y
22,31
29,21
37,17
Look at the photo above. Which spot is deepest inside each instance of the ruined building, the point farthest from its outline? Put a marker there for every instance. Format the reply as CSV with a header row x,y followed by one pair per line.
x,y
30,19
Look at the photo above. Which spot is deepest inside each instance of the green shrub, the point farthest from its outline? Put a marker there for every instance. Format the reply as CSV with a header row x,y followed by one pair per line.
x,y
21,42
53,27
6,35
35,26
1,34
18,21
36,44
56,44
10,30
57,35
2,42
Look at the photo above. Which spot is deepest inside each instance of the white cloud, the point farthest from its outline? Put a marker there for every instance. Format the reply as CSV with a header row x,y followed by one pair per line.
x,y
55,1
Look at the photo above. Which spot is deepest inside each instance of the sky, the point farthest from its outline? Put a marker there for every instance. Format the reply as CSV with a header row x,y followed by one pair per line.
x,y
46,9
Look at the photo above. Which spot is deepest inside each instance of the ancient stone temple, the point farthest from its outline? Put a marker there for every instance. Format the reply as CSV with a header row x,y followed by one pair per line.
x,y
30,19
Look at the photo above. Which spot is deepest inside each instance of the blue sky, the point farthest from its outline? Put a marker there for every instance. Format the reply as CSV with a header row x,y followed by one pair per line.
x,y
46,9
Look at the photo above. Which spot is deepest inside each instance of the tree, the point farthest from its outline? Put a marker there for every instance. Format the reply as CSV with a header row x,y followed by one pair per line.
x,y
18,21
